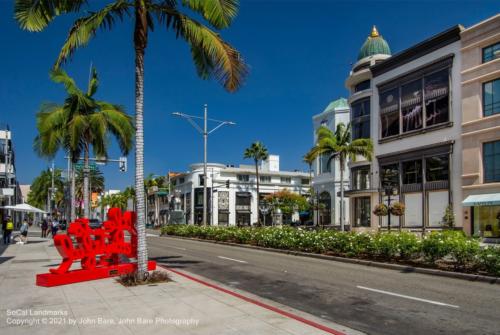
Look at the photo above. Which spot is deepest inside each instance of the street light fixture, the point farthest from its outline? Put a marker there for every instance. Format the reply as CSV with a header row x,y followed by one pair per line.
x,y
205,132
389,190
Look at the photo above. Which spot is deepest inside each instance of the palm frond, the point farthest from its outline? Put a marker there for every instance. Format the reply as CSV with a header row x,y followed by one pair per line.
x,y
219,13
35,15
213,57
85,28
93,83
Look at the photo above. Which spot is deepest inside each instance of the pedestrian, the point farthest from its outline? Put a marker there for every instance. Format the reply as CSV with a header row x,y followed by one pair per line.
x,y
45,227
7,232
24,232
55,227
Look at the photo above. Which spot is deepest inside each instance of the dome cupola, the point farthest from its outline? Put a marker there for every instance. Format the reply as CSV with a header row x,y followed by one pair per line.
x,y
374,45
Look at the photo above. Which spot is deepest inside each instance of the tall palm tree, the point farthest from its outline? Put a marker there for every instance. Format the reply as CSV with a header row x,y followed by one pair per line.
x,y
309,159
258,152
340,146
80,123
212,56
95,181
39,193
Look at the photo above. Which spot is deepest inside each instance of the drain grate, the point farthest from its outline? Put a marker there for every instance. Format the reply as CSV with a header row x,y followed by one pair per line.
x,y
35,260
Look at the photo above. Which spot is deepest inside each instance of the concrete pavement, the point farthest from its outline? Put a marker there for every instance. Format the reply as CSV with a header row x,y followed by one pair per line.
x,y
373,300
189,305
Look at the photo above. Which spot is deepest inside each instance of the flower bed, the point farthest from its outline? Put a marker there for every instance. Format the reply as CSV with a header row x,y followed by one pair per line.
x,y
449,250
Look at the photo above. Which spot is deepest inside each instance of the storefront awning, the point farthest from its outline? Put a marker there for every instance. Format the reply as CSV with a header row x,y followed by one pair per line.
x,y
482,200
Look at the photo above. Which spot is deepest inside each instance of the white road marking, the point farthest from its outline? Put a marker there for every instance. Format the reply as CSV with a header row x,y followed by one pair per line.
x,y
151,235
178,248
232,259
408,297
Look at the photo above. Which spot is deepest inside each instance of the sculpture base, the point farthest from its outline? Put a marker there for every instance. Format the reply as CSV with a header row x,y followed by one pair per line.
x,y
76,276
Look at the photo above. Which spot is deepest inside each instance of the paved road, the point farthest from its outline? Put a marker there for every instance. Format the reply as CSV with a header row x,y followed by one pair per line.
x,y
372,300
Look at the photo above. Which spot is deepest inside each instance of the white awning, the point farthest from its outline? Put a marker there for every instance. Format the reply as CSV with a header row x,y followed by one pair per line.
x,y
24,208
482,200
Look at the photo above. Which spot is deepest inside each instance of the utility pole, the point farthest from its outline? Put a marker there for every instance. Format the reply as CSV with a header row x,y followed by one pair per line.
x,y
52,188
205,132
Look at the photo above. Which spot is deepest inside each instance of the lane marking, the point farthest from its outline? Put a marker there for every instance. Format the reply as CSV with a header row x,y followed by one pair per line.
x,y
178,248
258,303
408,297
232,259
151,235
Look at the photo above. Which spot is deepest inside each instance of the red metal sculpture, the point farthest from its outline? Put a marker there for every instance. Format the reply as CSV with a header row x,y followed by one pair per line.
x,y
99,250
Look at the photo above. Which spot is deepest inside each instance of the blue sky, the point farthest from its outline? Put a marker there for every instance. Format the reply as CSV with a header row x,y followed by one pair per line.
x,y
299,52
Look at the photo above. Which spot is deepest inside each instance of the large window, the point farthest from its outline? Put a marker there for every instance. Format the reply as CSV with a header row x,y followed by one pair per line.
x,y
362,212
243,177
491,162
491,52
414,105
286,180
243,199
411,105
364,85
491,97
324,162
437,168
265,179
412,172
360,119
360,178
389,175
436,97
389,112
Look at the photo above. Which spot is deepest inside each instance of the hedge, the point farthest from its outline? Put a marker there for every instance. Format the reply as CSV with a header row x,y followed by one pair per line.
x,y
445,249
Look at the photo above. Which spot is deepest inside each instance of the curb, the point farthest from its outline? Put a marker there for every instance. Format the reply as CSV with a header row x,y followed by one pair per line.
x,y
401,268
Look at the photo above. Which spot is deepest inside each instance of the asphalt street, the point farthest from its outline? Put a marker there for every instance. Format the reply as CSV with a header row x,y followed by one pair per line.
x,y
372,300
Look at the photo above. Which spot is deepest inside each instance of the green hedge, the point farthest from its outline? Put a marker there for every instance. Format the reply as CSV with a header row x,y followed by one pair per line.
x,y
438,249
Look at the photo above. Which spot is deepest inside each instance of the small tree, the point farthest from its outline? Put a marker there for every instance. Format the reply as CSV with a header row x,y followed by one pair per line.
x,y
449,217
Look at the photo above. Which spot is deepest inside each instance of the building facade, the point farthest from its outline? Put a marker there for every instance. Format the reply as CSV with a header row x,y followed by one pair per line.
x,y
231,191
362,192
481,127
10,193
326,181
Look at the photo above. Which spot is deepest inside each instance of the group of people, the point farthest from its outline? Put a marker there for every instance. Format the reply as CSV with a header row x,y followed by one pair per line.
x,y
8,228
47,223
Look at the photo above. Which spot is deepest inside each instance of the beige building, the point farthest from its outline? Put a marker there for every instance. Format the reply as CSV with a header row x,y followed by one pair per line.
x,y
480,47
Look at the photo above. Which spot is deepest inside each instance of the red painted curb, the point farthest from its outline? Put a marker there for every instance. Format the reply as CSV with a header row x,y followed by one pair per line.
x,y
258,303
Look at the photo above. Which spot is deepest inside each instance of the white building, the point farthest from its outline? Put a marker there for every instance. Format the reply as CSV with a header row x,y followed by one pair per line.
x,y
326,181
10,193
233,190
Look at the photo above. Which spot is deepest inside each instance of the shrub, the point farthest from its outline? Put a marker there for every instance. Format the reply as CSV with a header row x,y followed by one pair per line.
x,y
489,260
384,245
434,246
409,246
463,250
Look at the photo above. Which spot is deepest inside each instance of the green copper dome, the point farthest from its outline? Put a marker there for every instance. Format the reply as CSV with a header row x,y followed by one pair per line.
x,y
340,103
374,45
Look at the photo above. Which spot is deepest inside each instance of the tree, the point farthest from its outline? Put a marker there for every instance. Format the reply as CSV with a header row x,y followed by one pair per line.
x,y
340,146
212,56
288,201
95,183
258,152
39,191
80,123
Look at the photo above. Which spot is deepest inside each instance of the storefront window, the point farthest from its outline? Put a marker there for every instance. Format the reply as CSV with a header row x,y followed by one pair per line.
x,y
389,175
437,168
360,119
412,172
411,105
487,221
360,178
491,98
389,112
362,212
436,97
413,212
491,161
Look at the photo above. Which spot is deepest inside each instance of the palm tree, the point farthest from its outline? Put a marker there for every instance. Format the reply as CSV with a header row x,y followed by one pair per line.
x,y
309,159
340,146
212,56
95,180
258,152
80,123
39,192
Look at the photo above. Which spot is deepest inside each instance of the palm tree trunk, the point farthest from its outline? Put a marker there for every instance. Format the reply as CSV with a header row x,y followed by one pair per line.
x,y
73,195
86,182
342,195
257,176
140,42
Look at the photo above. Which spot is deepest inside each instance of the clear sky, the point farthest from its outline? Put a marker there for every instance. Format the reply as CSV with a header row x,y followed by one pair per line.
x,y
300,53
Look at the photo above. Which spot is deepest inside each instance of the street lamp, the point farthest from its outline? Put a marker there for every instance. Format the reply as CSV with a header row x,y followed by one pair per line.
x,y
264,208
389,190
205,132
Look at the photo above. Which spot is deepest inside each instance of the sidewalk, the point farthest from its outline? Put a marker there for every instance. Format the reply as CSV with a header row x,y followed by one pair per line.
x,y
187,305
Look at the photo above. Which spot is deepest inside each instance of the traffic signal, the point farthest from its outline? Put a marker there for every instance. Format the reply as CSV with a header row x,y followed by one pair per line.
x,y
227,183
122,164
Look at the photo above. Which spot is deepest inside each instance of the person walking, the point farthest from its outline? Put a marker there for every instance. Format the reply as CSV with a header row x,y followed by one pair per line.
x,y
7,232
24,232
55,227
45,227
